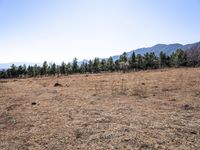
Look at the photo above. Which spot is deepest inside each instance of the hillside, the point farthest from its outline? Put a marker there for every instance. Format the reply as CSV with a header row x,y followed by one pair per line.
x,y
168,49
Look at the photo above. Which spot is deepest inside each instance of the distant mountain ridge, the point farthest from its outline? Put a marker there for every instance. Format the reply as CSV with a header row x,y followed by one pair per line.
x,y
7,65
166,48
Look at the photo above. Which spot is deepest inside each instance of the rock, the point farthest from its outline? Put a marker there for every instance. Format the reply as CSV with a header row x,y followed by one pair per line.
x,y
33,103
187,107
57,84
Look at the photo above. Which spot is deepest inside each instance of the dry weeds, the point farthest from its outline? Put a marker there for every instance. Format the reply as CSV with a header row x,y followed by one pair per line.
x,y
142,110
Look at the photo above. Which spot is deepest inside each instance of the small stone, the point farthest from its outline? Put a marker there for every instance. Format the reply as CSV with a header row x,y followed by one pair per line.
x,y
33,103
57,84
187,107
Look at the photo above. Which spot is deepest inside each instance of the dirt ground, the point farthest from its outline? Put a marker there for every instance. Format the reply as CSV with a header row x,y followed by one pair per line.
x,y
157,109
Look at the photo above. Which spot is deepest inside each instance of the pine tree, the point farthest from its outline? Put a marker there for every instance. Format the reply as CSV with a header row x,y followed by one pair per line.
x,y
151,61
110,64
37,70
140,62
24,70
53,69
20,71
31,71
63,68
9,74
3,74
162,60
179,58
103,65
13,71
69,68
75,65
44,69
123,57
96,65
90,64
117,65
58,69
86,67
132,61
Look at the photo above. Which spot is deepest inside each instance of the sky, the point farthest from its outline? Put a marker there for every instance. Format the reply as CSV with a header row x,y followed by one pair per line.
x,y
59,30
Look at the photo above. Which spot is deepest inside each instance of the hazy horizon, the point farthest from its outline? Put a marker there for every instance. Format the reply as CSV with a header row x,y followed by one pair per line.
x,y
55,31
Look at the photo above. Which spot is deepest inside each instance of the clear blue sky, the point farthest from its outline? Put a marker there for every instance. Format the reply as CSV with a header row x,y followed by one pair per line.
x,y
57,30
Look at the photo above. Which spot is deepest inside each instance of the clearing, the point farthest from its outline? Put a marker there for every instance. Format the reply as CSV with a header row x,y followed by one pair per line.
x,y
158,109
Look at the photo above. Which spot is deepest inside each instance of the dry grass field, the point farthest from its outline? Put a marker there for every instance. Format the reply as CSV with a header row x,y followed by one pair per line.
x,y
157,109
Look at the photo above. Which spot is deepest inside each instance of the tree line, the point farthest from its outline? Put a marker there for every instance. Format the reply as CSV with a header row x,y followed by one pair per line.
x,y
179,58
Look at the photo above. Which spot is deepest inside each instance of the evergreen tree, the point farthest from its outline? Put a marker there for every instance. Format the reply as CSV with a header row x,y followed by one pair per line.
x,y
103,65
9,74
132,61
123,62
123,57
140,62
154,61
44,69
117,65
31,71
86,67
168,61
90,64
63,68
13,71
110,64
162,60
3,74
96,65
37,70
83,68
146,61
53,69
20,71
151,61
124,66
24,70
69,68
75,65
179,58
58,71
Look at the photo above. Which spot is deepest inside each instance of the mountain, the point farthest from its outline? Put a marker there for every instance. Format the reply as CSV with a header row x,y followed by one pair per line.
x,y
83,61
8,65
166,48
191,46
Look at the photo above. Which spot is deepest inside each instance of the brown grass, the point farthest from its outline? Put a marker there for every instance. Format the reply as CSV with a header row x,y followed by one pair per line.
x,y
142,110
